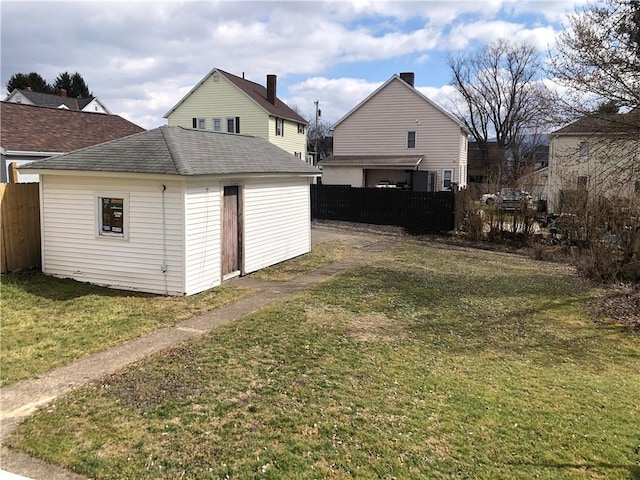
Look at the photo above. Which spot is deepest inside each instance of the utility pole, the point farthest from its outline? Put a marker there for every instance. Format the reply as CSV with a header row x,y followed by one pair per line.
x,y
318,113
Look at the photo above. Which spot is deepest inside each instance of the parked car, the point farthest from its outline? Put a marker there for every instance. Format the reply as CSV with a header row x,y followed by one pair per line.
x,y
489,198
514,199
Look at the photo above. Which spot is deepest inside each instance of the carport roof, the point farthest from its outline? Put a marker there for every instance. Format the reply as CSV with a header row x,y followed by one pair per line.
x,y
377,161
181,151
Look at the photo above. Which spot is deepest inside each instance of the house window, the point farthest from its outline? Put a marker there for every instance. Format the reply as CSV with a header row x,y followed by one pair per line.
x,y
217,124
583,150
112,216
279,127
447,178
233,124
301,128
198,123
297,155
583,183
216,78
411,139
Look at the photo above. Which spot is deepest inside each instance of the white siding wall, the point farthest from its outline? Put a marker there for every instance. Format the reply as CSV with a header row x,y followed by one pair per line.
x,y
353,176
462,165
72,247
221,100
94,107
277,221
202,236
291,141
380,126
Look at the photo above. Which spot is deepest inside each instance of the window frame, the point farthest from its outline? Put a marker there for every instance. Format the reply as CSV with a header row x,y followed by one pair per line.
x,y
583,150
99,209
415,139
213,126
280,130
301,128
444,180
233,122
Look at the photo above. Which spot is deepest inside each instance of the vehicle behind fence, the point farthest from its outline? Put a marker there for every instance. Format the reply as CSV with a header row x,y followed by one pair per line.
x,y
417,212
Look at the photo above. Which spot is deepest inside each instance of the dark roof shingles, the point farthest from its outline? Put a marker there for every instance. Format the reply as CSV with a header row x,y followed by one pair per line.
x,y
181,151
259,94
619,123
40,129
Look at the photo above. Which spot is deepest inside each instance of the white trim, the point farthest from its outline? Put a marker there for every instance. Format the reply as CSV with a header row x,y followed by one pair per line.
x,y
452,170
159,176
415,139
28,153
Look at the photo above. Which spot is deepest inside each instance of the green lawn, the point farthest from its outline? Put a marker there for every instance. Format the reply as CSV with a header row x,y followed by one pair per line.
x,y
48,322
428,363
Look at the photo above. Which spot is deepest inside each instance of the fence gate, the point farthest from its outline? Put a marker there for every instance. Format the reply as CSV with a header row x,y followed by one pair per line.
x,y
19,226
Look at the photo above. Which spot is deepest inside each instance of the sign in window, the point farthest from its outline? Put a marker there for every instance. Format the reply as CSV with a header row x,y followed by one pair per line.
x,y
112,212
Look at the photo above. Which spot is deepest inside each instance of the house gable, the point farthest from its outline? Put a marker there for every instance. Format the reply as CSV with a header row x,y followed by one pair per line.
x,y
222,100
215,97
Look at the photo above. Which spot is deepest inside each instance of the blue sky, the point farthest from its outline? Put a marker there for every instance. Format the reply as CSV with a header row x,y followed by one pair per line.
x,y
141,57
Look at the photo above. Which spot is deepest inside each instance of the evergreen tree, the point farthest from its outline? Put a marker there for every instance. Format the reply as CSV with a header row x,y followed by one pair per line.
x,y
34,80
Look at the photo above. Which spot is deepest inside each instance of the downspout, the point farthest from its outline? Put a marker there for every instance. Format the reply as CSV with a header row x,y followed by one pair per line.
x,y
163,267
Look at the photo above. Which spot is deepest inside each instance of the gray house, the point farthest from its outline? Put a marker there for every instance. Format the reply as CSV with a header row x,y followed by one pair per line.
x,y
172,210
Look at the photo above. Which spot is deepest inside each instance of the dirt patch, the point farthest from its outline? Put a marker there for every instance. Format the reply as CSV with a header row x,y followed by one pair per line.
x,y
377,328
145,387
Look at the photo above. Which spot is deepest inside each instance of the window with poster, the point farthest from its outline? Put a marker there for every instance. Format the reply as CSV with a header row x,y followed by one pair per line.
x,y
112,215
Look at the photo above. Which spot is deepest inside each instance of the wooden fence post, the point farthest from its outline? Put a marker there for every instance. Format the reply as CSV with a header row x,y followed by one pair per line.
x,y
13,173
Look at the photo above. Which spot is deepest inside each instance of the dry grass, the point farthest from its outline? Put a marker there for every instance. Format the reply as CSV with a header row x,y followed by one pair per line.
x,y
427,363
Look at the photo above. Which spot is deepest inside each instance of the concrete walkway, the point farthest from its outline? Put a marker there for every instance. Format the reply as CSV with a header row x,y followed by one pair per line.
x,y
21,399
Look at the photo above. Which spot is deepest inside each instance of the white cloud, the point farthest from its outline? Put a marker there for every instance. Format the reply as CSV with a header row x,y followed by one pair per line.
x,y
462,35
337,96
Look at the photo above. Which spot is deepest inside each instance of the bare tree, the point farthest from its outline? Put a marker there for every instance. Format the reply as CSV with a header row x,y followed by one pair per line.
x,y
596,160
322,136
598,54
502,97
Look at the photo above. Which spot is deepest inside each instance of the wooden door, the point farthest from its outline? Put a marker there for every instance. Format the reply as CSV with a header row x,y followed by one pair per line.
x,y
230,232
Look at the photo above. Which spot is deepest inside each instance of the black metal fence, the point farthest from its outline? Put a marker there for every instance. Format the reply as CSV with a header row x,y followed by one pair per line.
x,y
418,212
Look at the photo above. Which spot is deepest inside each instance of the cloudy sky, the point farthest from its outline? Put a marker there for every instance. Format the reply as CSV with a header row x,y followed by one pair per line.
x,y
141,57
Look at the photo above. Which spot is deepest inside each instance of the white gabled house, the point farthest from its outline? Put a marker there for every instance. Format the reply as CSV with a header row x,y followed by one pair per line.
x,y
172,211
398,136
59,100
223,102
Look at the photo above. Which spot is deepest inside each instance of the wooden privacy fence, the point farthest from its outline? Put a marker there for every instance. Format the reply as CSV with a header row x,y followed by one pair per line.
x,y
418,212
19,226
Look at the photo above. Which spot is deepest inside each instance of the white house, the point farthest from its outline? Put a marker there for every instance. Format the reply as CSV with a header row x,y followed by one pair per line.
x,y
60,100
172,210
598,155
398,136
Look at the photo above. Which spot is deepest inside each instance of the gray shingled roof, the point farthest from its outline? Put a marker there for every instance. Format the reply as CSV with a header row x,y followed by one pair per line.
x,y
51,100
180,151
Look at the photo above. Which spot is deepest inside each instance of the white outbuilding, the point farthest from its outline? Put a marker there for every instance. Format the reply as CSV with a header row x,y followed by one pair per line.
x,y
172,211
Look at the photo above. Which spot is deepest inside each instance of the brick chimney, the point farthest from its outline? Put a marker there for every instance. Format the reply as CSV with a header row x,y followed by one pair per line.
x,y
271,88
408,77
62,92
